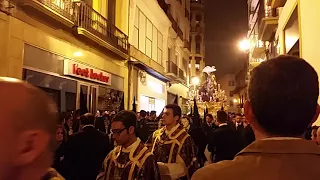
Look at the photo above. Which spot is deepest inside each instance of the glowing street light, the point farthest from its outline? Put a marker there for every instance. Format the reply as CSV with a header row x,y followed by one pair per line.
x,y
235,100
244,45
195,80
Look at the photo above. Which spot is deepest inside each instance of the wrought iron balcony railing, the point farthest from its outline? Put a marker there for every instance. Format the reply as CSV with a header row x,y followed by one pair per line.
x,y
92,21
164,6
175,25
172,68
180,33
64,8
181,75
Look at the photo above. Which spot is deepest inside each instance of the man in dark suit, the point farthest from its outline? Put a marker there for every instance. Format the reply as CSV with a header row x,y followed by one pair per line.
x,y
209,125
142,128
85,151
239,123
224,142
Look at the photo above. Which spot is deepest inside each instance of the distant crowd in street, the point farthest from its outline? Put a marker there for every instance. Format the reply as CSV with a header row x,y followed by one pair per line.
x,y
273,139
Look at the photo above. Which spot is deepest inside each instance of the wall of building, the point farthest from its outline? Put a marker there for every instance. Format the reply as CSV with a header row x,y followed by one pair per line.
x,y
228,84
309,28
29,31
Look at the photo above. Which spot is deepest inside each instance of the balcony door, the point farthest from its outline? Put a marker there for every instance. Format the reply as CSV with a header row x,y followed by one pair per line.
x,y
87,97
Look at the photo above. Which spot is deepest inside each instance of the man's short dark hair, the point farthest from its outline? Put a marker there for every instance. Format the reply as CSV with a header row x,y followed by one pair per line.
x,y
210,116
175,109
153,113
143,113
87,119
283,93
222,116
128,118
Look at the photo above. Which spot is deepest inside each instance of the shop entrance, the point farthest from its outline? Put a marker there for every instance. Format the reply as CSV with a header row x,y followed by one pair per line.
x,y
87,96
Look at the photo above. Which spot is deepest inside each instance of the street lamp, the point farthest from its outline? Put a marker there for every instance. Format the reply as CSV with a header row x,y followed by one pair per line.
x,y
195,81
244,45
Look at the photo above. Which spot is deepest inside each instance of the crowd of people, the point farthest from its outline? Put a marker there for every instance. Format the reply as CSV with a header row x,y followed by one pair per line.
x,y
268,142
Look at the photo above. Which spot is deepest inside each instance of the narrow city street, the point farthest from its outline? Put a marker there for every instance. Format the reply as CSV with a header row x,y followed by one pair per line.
x,y
159,89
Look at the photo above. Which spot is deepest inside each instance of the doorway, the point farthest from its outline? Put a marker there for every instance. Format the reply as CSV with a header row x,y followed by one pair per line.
x,y
87,97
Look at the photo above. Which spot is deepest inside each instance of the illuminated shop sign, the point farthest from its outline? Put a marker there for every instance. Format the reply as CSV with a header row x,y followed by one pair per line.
x,y
82,71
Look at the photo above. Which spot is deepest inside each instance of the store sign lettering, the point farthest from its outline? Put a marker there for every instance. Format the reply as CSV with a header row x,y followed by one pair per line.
x,y
89,73
82,71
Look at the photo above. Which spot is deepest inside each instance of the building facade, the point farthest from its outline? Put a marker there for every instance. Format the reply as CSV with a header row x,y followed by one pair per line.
x,y
197,62
228,84
74,51
158,67
285,27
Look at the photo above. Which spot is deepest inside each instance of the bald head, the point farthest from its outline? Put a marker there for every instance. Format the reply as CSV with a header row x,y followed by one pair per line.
x,y
28,121
26,107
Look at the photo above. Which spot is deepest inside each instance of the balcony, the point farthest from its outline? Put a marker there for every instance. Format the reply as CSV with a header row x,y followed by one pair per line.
x,y
172,70
186,13
196,29
182,78
175,26
61,11
187,45
164,6
268,25
276,3
95,27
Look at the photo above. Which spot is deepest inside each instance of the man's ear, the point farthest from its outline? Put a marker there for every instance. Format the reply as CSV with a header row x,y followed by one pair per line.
x,y
31,145
316,115
248,112
131,130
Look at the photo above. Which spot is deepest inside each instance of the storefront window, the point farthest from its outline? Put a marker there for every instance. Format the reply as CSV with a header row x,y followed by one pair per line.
x,y
151,104
109,99
61,90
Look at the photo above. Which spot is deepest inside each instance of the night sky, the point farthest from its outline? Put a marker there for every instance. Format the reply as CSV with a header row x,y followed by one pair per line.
x,y
226,24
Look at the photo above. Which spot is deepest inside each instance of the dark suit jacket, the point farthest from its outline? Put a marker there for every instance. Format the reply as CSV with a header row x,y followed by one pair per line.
x,y
100,125
276,159
85,152
247,135
224,143
239,128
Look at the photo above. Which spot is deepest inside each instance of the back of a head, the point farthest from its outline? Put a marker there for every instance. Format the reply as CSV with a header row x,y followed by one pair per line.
x,y
128,118
87,119
143,113
283,94
175,109
222,116
210,116
153,113
28,108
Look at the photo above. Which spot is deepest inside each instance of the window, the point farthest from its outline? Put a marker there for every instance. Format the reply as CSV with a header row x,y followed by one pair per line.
x,y
147,38
230,94
135,40
198,48
142,32
160,47
231,83
149,30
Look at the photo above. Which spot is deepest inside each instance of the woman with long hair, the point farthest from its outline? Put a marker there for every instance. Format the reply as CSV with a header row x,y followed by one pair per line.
x,y
61,137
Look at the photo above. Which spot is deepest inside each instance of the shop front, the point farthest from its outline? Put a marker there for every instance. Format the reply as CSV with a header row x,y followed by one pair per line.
x,y
179,91
72,84
151,93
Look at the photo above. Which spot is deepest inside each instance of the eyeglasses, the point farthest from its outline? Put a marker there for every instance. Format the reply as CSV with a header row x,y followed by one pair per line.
x,y
117,131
